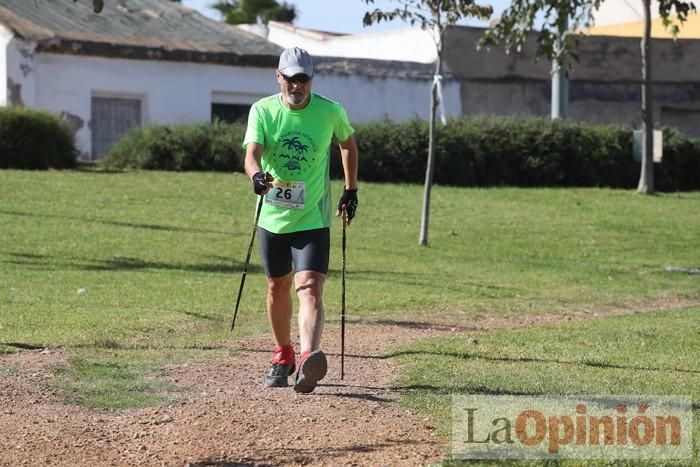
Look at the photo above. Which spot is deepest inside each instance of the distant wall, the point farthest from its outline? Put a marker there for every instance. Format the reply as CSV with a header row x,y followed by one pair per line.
x,y
371,99
605,84
170,92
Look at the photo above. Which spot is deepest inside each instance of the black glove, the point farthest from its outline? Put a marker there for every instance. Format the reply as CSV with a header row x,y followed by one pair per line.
x,y
260,186
348,202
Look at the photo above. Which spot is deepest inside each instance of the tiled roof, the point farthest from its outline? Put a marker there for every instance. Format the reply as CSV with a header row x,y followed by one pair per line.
x,y
137,29
375,68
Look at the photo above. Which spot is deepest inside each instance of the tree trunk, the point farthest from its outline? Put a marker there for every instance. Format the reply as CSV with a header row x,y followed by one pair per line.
x,y
646,178
430,168
560,80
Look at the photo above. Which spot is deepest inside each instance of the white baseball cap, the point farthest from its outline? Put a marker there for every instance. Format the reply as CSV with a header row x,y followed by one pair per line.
x,y
295,61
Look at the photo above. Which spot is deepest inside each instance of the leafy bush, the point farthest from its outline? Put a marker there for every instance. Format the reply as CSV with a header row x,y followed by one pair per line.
x,y
34,139
680,166
206,146
474,151
518,151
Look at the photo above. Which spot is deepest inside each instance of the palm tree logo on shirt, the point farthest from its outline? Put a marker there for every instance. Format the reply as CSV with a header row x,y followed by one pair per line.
x,y
296,151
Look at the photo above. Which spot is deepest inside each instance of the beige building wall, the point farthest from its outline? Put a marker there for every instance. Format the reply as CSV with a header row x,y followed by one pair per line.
x,y
605,84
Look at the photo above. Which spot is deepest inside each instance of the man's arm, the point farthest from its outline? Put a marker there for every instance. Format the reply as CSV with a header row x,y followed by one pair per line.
x,y
261,182
349,156
253,154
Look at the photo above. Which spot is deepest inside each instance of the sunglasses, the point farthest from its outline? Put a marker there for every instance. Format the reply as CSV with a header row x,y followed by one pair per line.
x,y
300,78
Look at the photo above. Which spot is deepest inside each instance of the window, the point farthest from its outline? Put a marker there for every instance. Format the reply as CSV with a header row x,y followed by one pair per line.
x,y
111,119
229,106
230,112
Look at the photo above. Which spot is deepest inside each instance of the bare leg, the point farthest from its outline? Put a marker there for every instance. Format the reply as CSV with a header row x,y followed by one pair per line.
x,y
279,308
309,288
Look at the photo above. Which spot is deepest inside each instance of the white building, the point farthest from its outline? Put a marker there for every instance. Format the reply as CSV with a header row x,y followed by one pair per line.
x,y
406,44
135,63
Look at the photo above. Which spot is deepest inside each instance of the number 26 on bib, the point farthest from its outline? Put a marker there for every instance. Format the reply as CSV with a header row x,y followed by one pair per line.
x,y
286,194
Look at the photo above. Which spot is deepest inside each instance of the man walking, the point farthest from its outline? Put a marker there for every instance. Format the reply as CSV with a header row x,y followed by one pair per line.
x,y
287,157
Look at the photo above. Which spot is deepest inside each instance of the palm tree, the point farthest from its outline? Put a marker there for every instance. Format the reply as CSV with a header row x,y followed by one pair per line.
x,y
294,143
250,11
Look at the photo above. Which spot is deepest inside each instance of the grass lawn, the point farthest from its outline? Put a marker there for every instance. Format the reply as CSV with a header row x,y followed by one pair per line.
x,y
137,269
647,354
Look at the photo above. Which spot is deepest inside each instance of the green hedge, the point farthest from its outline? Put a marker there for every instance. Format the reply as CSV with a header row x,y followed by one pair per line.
x,y
34,139
206,146
680,166
519,151
478,151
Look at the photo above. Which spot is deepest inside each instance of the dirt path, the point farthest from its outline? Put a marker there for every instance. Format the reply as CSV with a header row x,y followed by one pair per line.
x,y
229,418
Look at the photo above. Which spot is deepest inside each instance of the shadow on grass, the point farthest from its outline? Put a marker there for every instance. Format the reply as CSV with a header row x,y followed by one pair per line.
x,y
358,396
426,325
595,364
355,386
24,346
107,344
466,389
194,314
302,456
132,225
125,263
425,279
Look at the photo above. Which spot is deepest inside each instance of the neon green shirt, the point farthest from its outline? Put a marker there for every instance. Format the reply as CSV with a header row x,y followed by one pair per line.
x,y
296,152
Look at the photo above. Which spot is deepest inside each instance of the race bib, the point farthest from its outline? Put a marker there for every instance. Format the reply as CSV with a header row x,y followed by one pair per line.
x,y
286,194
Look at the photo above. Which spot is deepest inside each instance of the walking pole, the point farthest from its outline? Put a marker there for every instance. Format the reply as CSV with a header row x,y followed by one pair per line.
x,y
247,260
342,302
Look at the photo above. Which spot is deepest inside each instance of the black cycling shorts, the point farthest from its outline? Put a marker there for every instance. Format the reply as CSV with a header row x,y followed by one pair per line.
x,y
307,250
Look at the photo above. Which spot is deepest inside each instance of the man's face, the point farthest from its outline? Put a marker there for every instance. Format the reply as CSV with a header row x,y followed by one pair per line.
x,y
295,89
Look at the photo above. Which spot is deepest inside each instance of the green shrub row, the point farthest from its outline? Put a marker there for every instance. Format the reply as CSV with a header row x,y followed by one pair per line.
x,y
519,151
212,146
476,151
34,139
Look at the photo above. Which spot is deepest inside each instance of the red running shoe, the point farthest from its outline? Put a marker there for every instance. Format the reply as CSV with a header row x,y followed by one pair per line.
x,y
283,366
312,368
